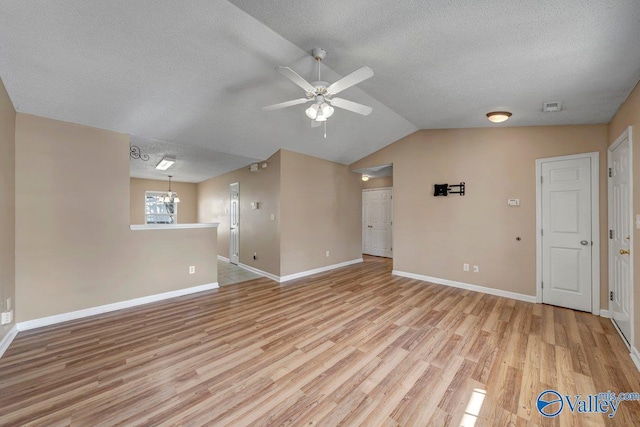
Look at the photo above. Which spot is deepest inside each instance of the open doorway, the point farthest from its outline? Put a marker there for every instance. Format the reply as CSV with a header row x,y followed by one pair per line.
x,y
377,210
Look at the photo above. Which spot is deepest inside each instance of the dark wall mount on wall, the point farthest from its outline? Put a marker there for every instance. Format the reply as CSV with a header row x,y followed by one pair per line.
x,y
446,189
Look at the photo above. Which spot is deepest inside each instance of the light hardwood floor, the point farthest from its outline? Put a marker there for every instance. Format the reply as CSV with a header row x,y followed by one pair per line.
x,y
355,346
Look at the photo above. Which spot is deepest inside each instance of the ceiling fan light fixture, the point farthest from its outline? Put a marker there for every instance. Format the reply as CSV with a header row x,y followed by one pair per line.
x,y
327,110
312,112
365,178
498,116
322,93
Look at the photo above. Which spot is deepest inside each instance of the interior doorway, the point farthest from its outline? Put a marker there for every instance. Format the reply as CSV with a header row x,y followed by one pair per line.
x,y
377,210
234,223
620,187
377,222
567,216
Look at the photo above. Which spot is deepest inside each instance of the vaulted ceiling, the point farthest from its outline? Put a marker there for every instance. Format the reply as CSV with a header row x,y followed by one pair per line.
x,y
190,78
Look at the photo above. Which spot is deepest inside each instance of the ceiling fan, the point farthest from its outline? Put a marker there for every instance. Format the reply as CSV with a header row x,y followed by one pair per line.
x,y
322,93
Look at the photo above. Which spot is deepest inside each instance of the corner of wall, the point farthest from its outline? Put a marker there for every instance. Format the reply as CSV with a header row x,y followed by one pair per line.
x,y
7,214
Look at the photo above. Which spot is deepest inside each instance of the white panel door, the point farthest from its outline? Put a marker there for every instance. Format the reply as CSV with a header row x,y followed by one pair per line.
x,y
566,233
377,222
620,237
234,223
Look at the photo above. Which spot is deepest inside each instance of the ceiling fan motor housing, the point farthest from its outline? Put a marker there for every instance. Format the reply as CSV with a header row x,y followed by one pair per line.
x,y
319,54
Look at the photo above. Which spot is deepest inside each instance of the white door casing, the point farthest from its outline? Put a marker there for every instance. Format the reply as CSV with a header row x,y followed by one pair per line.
x,y
234,223
621,235
567,241
377,220
366,235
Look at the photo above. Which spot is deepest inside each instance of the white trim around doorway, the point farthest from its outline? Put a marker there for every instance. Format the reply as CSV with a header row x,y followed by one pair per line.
x,y
595,225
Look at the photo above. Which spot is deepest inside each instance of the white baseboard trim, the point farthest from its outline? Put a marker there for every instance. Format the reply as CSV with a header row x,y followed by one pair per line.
x,y
467,286
319,270
79,314
635,356
281,279
8,339
605,313
221,258
260,272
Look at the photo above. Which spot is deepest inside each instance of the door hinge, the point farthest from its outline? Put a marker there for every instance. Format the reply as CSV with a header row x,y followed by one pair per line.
x,y
611,296
611,234
542,285
541,180
610,173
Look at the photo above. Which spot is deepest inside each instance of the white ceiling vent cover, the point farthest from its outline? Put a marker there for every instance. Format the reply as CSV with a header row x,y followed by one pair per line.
x,y
552,107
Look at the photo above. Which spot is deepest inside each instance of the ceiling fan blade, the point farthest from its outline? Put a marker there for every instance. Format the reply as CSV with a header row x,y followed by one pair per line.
x,y
295,77
349,80
315,123
351,106
287,104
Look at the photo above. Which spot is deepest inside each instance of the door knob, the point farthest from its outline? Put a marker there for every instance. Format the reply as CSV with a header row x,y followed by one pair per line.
x,y
584,243
624,252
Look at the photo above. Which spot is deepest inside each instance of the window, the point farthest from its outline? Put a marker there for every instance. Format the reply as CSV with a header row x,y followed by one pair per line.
x,y
158,212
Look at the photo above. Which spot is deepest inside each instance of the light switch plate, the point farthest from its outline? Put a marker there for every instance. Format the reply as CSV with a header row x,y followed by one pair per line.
x,y
637,221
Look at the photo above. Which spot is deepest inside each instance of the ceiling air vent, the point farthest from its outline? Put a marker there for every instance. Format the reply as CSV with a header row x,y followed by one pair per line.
x,y
552,107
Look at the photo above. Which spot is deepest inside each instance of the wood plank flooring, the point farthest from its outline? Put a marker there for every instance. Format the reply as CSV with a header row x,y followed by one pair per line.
x,y
355,346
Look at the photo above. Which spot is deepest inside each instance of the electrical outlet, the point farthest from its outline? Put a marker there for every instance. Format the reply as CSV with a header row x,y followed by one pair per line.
x,y
273,217
192,269
476,269
6,317
465,267
9,305
327,253
255,255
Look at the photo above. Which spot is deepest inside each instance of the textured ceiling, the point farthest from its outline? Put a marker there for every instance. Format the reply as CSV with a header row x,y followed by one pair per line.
x,y
193,163
196,74
445,64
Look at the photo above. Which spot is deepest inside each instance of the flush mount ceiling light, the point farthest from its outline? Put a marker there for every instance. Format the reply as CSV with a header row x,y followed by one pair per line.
x,y
166,163
365,178
171,196
498,116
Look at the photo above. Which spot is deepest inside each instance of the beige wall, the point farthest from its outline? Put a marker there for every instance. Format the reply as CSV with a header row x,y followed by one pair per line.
x,y
435,236
7,203
74,248
187,208
383,182
629,115
258,233
317,207
321,206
